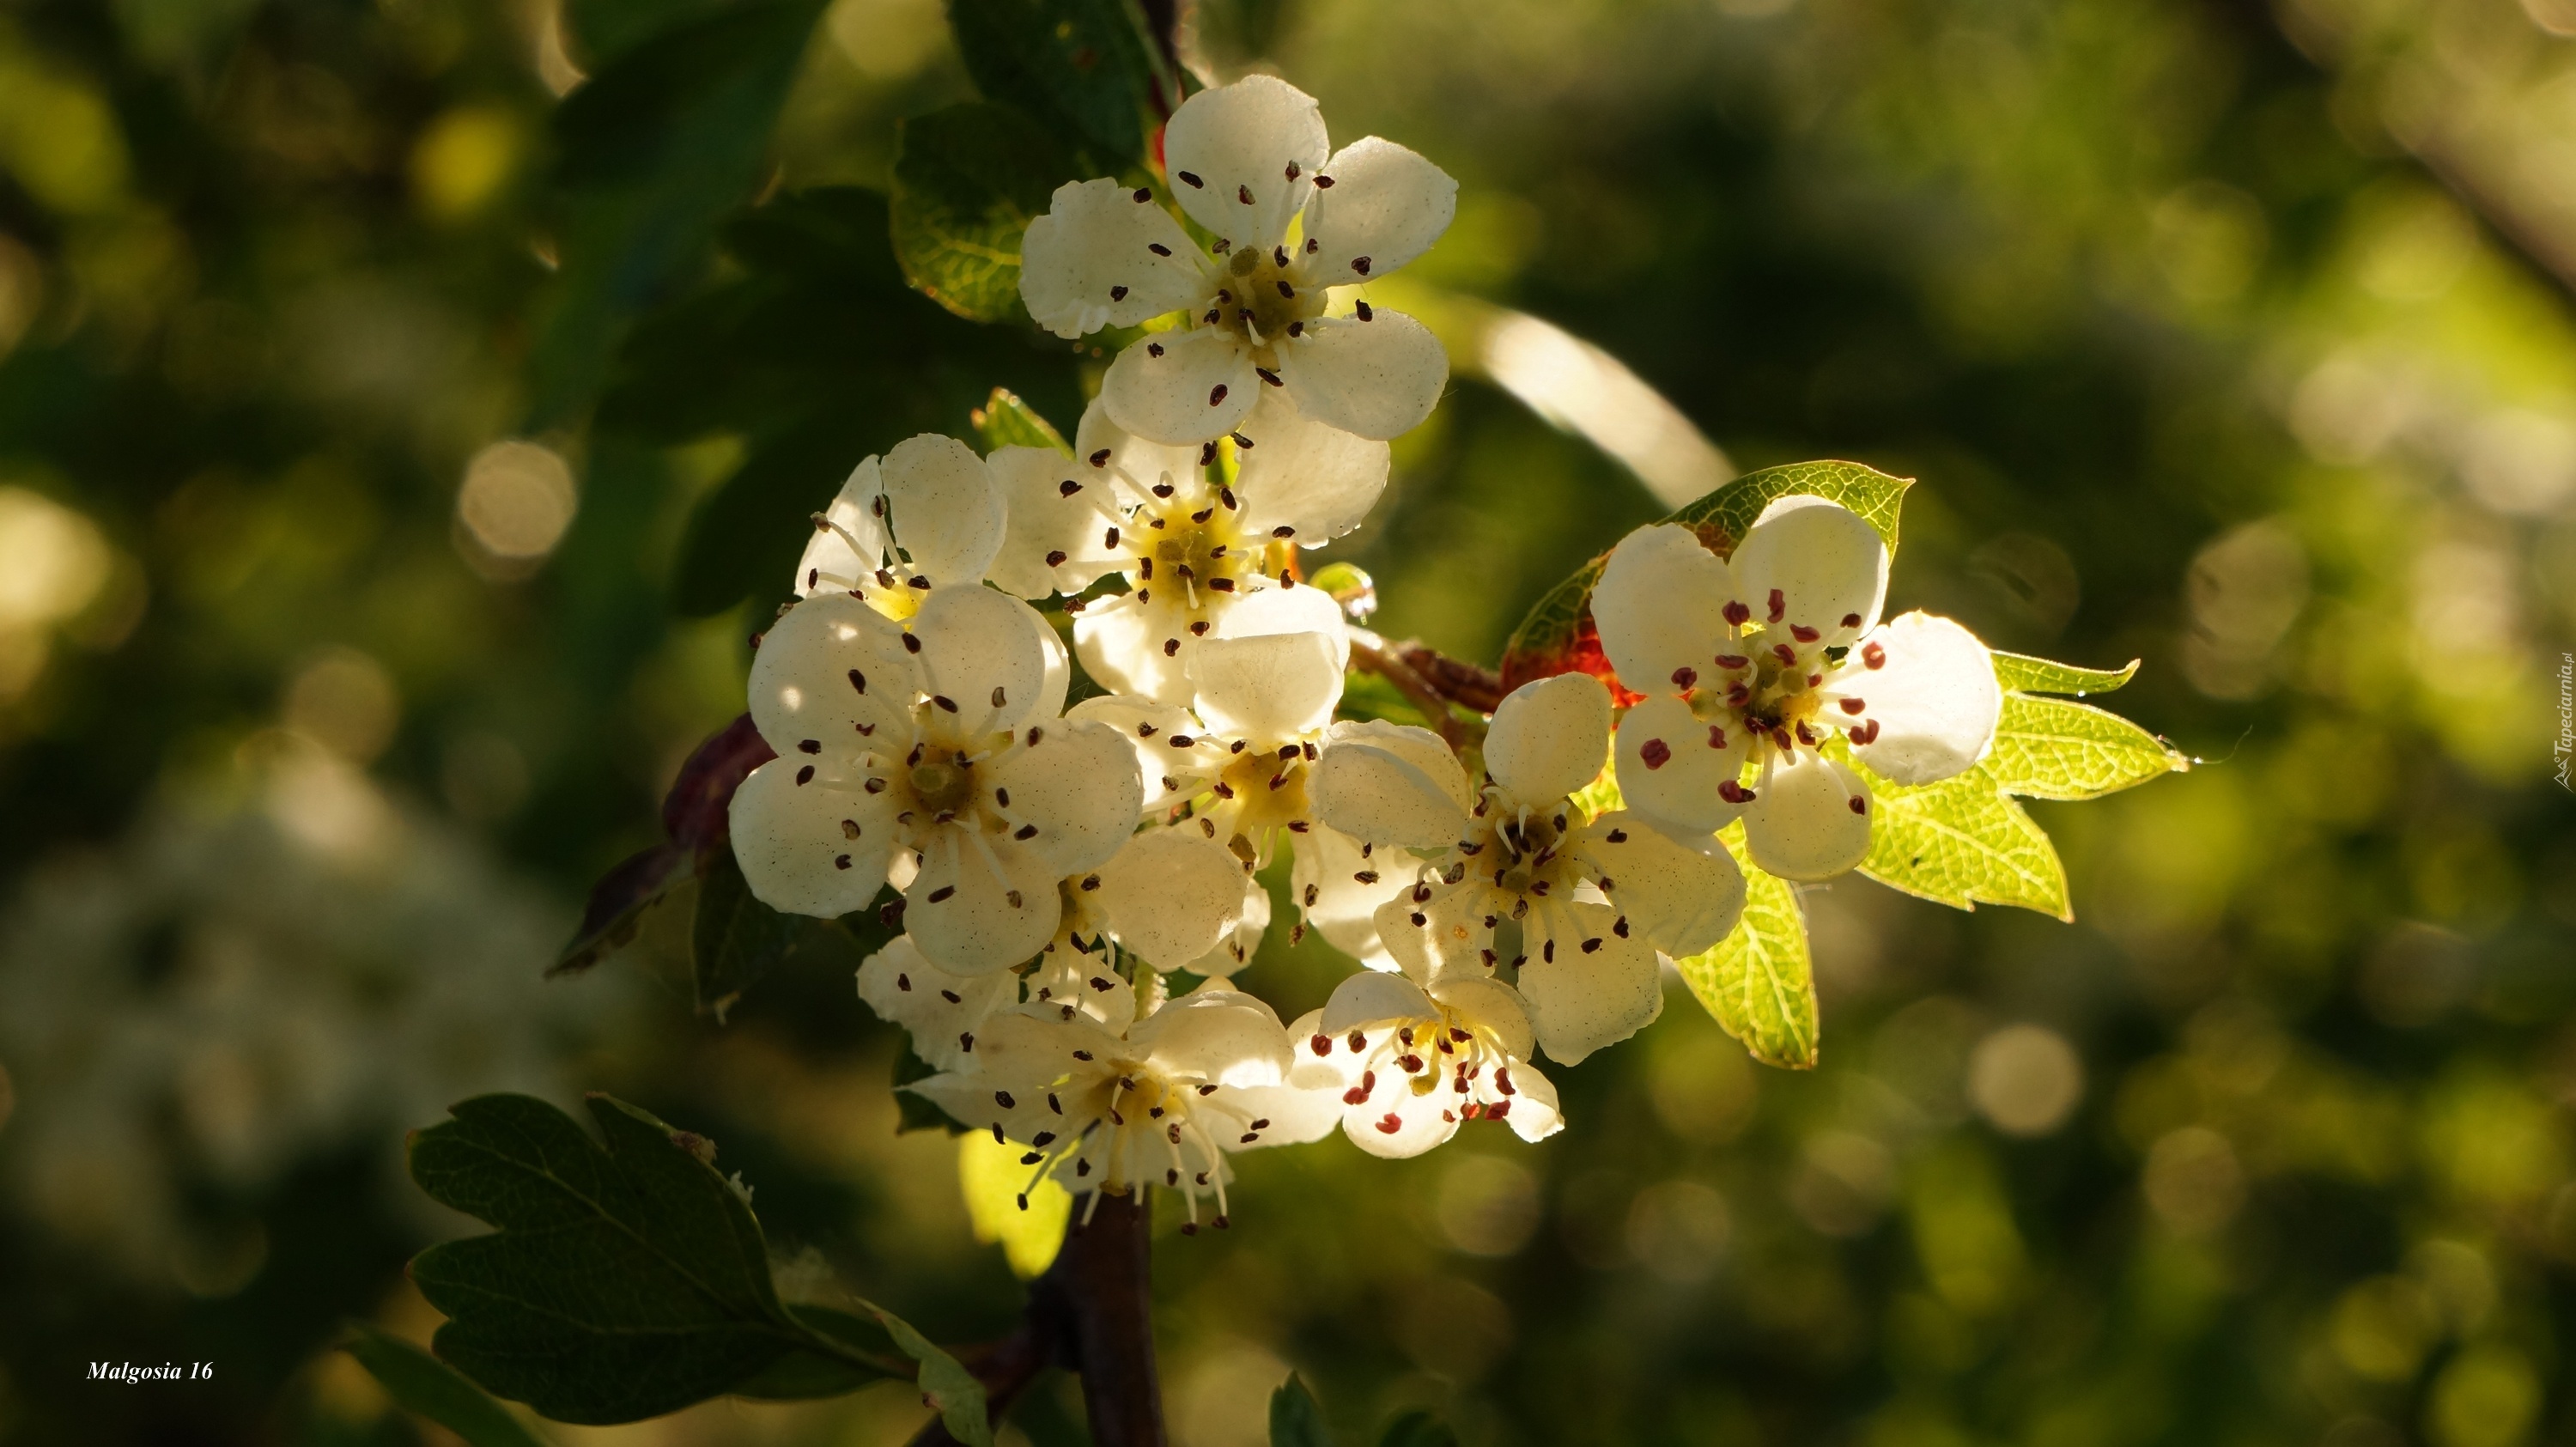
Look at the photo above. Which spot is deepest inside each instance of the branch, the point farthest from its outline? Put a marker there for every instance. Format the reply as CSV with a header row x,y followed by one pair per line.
x,y
1432,680
1091,1313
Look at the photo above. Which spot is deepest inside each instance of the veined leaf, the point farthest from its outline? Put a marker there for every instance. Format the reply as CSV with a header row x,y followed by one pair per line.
x,y
1963,842
2047,748
1295,1419
994,1181
967,182
1006,421
1759,981
735,939
1557,636
1081,66
625,1281
424,1386
945,1384
2022,674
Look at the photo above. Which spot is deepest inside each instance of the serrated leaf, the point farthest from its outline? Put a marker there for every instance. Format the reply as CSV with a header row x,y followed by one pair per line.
x,y
967,182
945,1385
1417,1428
994,1181
1759,982
1963,842
1295,1419
2020,673
626,1279
2047,748
1557,635
1006,421
735,939
1081,66
424,1386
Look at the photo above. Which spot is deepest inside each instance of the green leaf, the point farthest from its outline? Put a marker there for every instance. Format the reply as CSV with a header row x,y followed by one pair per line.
x,y
1417,1428
1083,67
945,1385
1963,842
996,1185
2047,748
1295,1420
424,1386
1557,635
1759,981
2018,673
1006,421
599,31
735,939
651,151
624,1281
967,182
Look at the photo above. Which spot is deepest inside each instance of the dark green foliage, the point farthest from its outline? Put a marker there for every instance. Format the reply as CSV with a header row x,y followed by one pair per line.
x,y
623,1282
968,182
1295,1420
734,939
1083,67
425,1386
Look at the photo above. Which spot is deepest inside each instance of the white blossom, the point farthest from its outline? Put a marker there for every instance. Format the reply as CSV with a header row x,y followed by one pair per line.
x,y
1194,538
935,743
1112,1105
1750,668
1251,163
1516,873
1239,761
1418,1056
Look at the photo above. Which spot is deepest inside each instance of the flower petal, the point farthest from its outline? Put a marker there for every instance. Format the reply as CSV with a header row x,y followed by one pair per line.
x,y
1378,378
1238,945
1269,689
1216,1034
939,1009
1317,481
1283,609
1489,1005
1171,895
1394,1123
1079,789
1534,1115
1802,824
1183,386
1385,207
1681,893
1069,983
829,563
1343,906
832,666
1549,738
1121,649
1090,261
1130,465
979,652
1297,1114
942,509
809,838
1828,567
1935,700
1668,768
1371,1000
1660,604
980,901
1149,727
1052,540
1580,998
1259,137
1390,784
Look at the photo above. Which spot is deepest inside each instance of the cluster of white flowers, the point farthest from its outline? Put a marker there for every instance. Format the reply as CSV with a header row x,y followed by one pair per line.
x,y
1057,865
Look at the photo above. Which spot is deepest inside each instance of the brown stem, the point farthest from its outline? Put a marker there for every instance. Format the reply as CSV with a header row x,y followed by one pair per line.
x,y
1091,1313
1432,681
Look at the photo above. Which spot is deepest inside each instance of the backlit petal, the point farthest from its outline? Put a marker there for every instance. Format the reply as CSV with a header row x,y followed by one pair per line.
x,y
810,840
1803,825
1171,894
979,652
980,908
1826,564
1549,738
1935,700
1078,788
1259,137
1660,604
1317,481
1580,998
1668,769
943,511
1184,386
940,1010
1090,261
1268,689
1377,378
1680,892
830,667
1385,207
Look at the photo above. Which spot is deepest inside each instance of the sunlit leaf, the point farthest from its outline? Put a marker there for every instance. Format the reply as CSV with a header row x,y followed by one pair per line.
x,y
995,1182
1963,842
2047,748
2038,675
424,1386
1557,636
626,1280
967,182
1081,66
1759,981
1006,421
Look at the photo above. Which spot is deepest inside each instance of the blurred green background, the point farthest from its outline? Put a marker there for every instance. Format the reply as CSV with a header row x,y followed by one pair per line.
x,y
362,368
